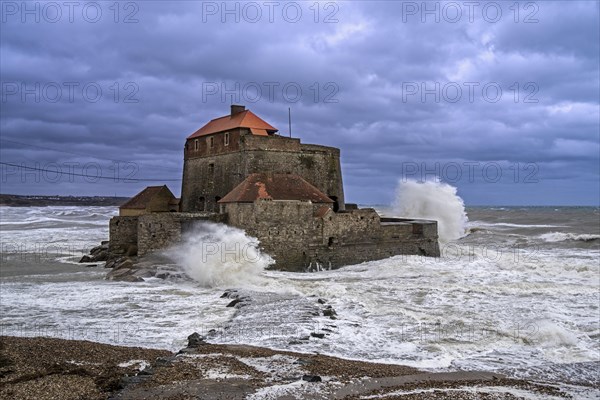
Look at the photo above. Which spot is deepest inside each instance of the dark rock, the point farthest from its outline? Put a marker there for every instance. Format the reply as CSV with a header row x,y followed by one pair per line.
x,y
234,302
91,265
125,264
162,275
163,361
304,338
317,335
123,275
312,378
195,340
131,278
101,256
144,273
116,273
329,312
105,243
86,259
301,361
322,301
96,250
146,371
110,263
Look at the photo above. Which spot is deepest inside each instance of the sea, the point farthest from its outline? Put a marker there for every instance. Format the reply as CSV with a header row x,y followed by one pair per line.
x,y
516,291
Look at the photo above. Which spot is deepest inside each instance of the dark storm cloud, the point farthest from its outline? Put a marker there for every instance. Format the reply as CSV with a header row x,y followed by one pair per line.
x,y
358,75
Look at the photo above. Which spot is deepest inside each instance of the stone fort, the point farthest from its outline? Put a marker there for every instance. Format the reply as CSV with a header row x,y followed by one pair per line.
x,y
289,195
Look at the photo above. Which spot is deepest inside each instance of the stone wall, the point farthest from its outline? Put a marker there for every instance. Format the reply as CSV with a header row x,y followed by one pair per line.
x,y
285,229
163,230
206,178
222,142
290,232
297,234
122,234
157,231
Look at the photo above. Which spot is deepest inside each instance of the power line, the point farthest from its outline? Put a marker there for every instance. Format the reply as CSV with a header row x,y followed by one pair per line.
x,y
81,154
90,176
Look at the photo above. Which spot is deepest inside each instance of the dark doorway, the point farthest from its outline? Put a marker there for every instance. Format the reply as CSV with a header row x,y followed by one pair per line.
x,y
201,206
336,205
217,198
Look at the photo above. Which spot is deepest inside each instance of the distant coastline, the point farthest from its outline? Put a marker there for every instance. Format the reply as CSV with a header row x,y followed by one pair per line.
x,y
13,200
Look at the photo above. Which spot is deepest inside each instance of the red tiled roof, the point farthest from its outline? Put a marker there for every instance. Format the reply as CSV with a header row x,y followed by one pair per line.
x,y
141,200
274,187
244,119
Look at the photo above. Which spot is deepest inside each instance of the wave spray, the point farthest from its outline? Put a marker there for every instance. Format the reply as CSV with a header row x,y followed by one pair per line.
x,y
218,255
433,200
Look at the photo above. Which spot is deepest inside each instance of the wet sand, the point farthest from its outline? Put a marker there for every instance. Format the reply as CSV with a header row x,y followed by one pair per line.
x,y
46,368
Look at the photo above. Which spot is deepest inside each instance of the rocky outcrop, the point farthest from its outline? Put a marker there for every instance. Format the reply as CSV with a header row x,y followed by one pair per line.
x,y
98,253
126,266
123,270
136,269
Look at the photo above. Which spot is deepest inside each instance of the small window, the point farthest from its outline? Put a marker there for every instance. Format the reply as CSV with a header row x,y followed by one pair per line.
x,y
211,168
196,144
226,138
211,141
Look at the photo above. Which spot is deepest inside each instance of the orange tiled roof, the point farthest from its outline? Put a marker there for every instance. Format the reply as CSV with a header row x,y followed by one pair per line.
x,y
244,119
274,187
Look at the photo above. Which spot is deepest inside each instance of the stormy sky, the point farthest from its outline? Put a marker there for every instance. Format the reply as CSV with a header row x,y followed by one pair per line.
x,y
500,99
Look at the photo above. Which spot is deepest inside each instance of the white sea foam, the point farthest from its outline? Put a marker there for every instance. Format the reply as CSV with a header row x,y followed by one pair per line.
x,y
554,237
511,225
517,308
141,364
217,255
433,200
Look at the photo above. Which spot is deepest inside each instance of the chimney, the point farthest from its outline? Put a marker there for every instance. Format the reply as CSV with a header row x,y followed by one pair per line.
x,y
236,109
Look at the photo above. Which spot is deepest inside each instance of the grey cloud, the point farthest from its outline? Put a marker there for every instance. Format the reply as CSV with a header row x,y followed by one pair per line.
x,y
171,55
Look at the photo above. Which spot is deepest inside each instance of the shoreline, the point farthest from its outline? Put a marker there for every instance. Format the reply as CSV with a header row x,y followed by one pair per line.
x,y
44,368
16,200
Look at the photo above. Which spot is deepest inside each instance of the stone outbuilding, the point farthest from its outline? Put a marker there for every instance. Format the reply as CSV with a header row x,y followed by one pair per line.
x,y
153,199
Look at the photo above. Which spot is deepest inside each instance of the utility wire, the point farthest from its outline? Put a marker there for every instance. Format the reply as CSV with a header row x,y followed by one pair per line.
x,y
91,176
83,155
